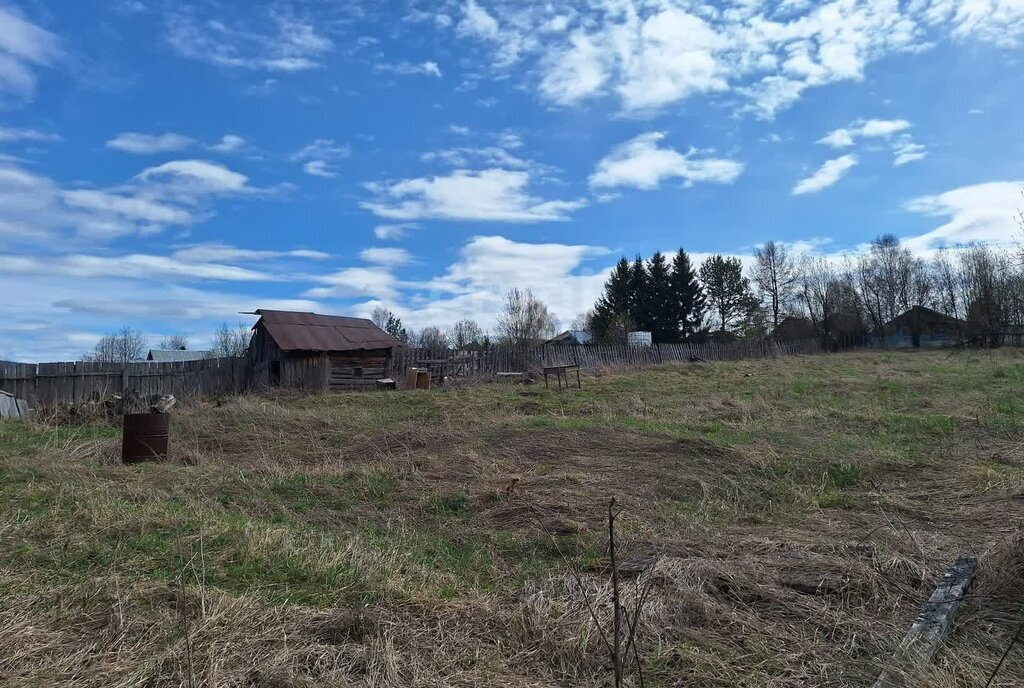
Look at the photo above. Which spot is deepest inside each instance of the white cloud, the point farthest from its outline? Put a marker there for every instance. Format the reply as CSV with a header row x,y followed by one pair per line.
x,y
893,131
488,266
394,232
641,164
477,22
674,57
826,175
145,144
864,128
485,155
996,21
53,317
980,212
133,266
24,47
318,156
126,206
34,208
216,252
375,282
495,195
496,152
907,151
652,54
318,168
30,206
580,71
324,149
8,134
229,143
198,175
411,68
292,45
771,95
386,256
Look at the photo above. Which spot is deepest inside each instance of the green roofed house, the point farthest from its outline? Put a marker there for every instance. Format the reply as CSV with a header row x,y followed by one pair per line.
x,y
177,355
571,338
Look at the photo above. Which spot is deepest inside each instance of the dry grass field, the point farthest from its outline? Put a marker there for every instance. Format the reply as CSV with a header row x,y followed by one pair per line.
x,y
430,538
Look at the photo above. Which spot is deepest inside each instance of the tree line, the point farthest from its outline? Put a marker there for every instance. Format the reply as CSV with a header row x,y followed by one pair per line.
x,y
979,286
522,319
128,344
781,293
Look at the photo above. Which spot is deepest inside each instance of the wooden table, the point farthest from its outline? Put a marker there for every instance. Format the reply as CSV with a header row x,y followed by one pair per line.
x,y
561,373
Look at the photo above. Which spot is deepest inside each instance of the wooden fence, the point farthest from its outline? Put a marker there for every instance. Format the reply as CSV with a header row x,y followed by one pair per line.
x,y
487,363
79,381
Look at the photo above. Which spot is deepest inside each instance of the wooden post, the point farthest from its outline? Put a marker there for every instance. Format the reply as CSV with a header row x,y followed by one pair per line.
x,y
932,625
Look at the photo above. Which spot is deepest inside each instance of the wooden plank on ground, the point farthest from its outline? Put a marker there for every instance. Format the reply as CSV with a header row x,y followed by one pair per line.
x,y
925,636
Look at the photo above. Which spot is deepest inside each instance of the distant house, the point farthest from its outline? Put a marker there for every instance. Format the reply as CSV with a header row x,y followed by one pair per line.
x,y
176,355
571,338
922,326
298,350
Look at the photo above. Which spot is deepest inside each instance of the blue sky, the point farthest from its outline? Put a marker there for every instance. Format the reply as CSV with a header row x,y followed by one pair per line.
x,y
168,164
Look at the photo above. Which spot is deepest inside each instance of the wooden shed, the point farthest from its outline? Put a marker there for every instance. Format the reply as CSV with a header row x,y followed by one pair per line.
x,y
296,350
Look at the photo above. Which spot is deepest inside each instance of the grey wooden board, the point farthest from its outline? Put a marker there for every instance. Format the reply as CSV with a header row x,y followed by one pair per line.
x,y
932,625
12,407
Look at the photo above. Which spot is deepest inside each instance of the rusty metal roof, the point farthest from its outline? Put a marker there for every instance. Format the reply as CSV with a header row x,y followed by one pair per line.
x,y
297,331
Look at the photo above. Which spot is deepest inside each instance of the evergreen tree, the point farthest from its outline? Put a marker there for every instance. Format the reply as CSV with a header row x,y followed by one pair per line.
x,y
393,326
660,307
729,295
613,308
639,295
687,296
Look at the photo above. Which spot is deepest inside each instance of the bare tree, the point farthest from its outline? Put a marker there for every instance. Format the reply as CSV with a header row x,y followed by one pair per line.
x,y
465,333
890,281
817,292
390,323
775,275
433,338
230,341
379,315
1020,213
946,280
525,319
122,346
581,321
985,285
174,342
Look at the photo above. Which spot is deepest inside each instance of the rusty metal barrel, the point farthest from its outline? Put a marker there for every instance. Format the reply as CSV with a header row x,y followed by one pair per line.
x,y
146,437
